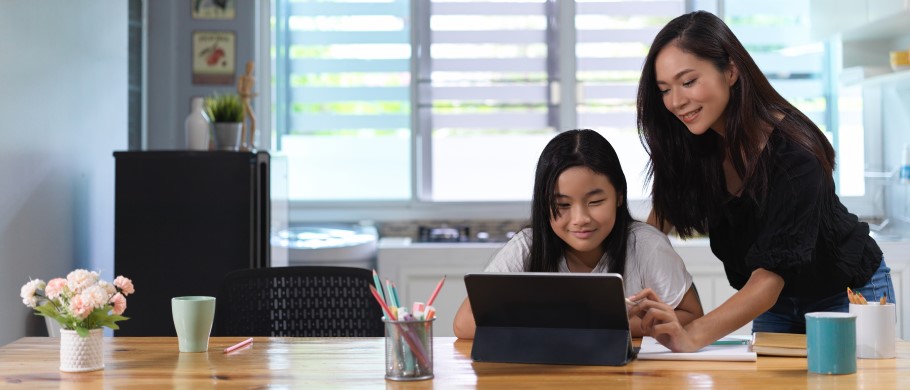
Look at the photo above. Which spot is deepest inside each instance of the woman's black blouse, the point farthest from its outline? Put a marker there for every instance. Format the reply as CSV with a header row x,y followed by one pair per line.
x,y
803,233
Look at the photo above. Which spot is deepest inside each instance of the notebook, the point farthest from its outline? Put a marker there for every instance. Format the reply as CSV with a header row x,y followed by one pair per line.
x,y
779,344
552,318
652,350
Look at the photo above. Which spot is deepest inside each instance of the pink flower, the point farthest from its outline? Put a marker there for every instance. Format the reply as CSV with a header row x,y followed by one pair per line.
x,y
55,288
125,285
119,303
80,308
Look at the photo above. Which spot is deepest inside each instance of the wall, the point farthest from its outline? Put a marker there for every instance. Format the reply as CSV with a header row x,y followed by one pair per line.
x,y
63,68
169,70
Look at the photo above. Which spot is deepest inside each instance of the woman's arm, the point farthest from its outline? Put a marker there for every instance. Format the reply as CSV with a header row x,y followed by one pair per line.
x,y
464,325
661,322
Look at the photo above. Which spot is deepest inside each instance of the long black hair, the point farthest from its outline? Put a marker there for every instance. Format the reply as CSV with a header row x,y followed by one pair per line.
x,y
685,168
574,148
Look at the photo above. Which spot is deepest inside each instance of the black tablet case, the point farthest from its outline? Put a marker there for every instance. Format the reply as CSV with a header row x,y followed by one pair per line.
x,y
550,318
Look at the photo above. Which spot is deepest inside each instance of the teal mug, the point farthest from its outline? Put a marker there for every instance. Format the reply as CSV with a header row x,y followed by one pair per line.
x,y
831,342
193,318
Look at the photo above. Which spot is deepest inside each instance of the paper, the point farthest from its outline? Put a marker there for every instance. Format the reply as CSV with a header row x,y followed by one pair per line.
x,y
652,350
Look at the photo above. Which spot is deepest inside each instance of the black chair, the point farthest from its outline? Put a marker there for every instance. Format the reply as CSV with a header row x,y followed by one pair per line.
x,y
307,301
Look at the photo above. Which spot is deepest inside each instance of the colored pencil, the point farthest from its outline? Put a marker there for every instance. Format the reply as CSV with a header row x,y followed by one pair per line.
x,y
382,303
436,291
239,345
389,294
395,295
378,284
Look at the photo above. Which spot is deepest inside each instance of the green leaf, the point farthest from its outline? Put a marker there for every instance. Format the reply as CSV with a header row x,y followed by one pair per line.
x,y
82,331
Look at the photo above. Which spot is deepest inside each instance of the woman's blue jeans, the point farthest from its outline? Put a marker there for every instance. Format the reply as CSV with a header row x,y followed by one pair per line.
x,y
788,315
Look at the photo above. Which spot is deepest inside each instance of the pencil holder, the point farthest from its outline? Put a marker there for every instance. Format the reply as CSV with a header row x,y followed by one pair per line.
x,y
408,349
875,330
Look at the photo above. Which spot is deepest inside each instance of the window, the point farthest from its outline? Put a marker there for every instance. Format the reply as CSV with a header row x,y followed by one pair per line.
x,y
445,104
342,98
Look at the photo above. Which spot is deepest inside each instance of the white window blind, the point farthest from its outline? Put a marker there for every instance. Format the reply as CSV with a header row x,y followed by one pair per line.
x,y
613,38
484,102
343,98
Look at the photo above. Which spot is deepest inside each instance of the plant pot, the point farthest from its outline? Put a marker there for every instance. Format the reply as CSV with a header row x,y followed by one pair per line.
x,y
81,354
227,135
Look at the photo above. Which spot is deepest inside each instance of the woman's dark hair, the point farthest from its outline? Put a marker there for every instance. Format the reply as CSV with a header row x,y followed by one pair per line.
x,y
685,168
575,148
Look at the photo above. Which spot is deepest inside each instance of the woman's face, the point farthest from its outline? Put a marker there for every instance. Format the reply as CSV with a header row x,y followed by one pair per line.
x,y
587,203
693,89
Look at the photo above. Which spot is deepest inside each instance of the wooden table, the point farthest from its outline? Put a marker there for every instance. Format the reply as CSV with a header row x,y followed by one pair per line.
x,y
144,362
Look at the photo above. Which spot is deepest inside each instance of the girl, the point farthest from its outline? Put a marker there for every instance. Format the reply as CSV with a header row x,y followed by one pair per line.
x,y
580,222
733,159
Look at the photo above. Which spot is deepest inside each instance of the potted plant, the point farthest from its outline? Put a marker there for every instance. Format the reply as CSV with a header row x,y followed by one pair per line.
x,y
82,303
226,114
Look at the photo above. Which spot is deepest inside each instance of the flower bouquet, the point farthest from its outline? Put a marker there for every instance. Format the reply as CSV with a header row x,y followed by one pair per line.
x,y
82,304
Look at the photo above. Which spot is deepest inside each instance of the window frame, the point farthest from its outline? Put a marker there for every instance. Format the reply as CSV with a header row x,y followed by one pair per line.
x,y
418,207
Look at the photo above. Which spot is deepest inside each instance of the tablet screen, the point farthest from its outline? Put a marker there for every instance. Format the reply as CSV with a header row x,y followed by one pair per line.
x,y
548,300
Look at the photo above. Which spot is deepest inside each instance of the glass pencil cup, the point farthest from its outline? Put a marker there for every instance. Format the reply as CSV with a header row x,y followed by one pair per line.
x,y
408,349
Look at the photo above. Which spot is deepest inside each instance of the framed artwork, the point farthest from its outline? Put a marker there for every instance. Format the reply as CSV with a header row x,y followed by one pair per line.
x,y
214,57
213,9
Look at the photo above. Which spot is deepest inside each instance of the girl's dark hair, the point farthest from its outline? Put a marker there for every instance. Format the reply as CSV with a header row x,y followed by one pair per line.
x,y
574,148
685,168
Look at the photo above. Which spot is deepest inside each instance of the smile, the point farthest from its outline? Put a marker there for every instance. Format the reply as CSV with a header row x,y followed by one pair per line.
x,y
690,116
582,233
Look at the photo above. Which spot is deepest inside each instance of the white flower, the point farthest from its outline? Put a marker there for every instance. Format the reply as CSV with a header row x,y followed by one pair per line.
x,y
109,288
28,292
95,296
80,279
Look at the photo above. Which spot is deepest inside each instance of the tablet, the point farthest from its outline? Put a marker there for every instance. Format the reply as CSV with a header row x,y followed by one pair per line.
x,y
554,318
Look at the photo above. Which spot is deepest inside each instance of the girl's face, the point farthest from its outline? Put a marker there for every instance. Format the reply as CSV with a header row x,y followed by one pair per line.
x,y
693,89
587,203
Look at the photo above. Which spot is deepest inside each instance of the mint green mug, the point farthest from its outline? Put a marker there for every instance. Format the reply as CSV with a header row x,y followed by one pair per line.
x,y
831,342
193,317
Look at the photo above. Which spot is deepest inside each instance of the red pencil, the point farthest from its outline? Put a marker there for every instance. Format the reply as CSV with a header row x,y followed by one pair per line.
x,y
436,291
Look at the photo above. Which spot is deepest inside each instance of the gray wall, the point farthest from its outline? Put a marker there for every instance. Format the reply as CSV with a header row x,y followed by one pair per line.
x,y
63,111
169,67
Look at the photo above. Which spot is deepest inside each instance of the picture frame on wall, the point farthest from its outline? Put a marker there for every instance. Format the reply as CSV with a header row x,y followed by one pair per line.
x,y
214,9
214,57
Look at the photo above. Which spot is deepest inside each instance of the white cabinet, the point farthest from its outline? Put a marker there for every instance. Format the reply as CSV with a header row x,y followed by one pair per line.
x,y
417,268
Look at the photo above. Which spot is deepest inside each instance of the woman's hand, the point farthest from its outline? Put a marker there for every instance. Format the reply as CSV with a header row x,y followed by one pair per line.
x,y
659,320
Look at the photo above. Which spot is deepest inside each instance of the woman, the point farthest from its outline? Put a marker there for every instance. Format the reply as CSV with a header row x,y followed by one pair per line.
x,y
733,159
580,222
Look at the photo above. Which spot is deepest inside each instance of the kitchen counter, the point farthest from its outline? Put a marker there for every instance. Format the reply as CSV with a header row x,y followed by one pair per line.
x,y
416,267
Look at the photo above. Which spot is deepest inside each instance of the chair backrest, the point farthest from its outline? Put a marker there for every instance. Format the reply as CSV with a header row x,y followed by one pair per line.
x,y
304,301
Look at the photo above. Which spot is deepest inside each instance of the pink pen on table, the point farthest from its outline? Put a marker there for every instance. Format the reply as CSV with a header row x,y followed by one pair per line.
x,y
436,291
239,345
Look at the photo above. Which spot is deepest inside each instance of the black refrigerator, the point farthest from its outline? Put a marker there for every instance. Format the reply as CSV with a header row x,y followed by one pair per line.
x,y
183,220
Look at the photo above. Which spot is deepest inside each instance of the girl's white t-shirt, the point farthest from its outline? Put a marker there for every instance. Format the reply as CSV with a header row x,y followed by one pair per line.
x,y
650,262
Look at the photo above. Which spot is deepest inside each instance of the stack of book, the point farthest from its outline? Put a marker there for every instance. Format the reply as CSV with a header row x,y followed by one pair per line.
x,y
779,344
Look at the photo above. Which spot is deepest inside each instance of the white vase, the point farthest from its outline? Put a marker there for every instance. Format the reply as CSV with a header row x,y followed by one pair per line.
x,y
80,354
197,127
